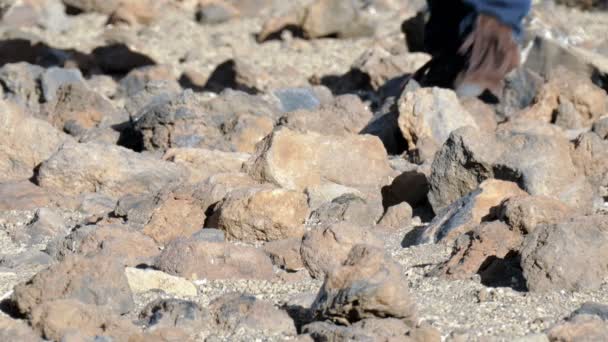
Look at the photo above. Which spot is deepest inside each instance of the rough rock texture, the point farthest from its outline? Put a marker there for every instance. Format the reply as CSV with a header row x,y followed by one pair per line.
x,y
234,311
367,285
59,319
227,123
132,248
427,116
285,253
296,160
141,281
565,255
323,249
350,209
347,114
76,109
99,281
586,323
20,150
591,156
469,211
525,213
179,213
324,18
208,260
540,164
569,101
203,163
370,329
397,216
112,170
262,214
13,330
473,251
174,313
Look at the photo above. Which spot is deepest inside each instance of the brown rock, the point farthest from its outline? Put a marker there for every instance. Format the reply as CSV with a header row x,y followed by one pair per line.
x,y
427,116
566,255
218,186
112,170
367,285
525,213
540,164
588,323
193,260
471,253
590,155
381,65
76,109
203,163
15,330
569,101
132,248
347,114
236,311
297,160
20,147
397,216
323,18
247,131
59,319
98,281
137,12
285,253
262,213
180,213
323,249
483,114
468,212
25,195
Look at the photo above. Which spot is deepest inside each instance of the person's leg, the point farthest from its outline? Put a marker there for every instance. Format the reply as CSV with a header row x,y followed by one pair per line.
x,y
473,43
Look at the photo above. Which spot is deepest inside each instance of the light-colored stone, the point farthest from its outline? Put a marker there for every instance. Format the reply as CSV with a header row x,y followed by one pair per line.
x,y
142,281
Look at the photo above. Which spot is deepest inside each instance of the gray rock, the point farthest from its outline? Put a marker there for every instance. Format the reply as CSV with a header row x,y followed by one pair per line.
x,y
539,164
567,255
593,309
349,209
371,329
346,114
292,99
174,313
210,235
54,78
234,311
20,84
215,13
46,225
326,248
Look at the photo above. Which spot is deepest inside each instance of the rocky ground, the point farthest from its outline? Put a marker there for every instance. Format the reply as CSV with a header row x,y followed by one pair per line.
x,y
208,170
